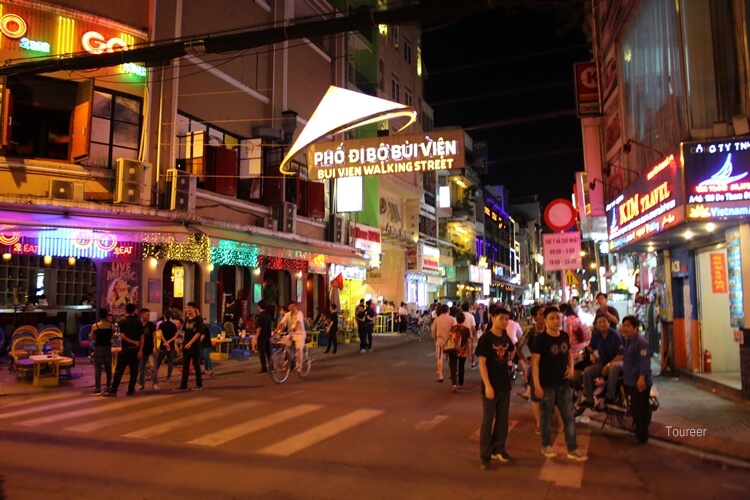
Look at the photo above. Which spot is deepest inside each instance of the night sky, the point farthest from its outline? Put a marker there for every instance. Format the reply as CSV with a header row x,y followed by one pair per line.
x,y
506,76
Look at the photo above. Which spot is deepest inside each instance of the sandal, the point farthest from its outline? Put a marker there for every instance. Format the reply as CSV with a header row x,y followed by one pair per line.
x,y
523,395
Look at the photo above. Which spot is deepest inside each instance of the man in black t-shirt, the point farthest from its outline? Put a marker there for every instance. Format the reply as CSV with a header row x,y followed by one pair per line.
x,y
332,330
131,337
191,348
262,339
552,367
495,352
167,333
370,314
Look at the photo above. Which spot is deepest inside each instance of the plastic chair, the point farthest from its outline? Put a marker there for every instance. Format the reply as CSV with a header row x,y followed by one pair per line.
x,y
229,328
84,342
215,329
62,347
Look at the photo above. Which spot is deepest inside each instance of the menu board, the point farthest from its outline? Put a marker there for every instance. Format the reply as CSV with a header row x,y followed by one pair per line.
x,y
734,268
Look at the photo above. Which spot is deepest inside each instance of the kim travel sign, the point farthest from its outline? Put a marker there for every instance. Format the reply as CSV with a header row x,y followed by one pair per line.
x,y
426,152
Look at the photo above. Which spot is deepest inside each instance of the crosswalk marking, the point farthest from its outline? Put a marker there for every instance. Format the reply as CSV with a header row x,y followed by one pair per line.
x,y
47,408
317,434
560,470
244,428
426,425
357,375
40,399
93,411
475,436
164,427
130,417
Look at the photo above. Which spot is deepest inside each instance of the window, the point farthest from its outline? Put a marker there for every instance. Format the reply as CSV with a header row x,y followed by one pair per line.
x,y
711,62
408,99
115,129
395,88
395,35
381,74
407,51
653,81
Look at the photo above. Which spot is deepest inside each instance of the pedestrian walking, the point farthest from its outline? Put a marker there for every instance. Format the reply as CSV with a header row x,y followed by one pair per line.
x,y
552,368
191,348
370,315
441,327
495,352
206,348
149,353
332,330
262,339
131,337
166,333
457,358
360,314
101,334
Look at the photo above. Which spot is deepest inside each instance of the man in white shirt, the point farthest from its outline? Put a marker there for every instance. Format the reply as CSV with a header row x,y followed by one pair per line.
x,y
470,323
295,320
514,330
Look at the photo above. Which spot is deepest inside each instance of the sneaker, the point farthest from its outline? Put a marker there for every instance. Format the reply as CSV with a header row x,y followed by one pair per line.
x,y
548,452
180,389
501,456
96,392
140,387
110,394
200,388
363,350
156,387
485,465
577,456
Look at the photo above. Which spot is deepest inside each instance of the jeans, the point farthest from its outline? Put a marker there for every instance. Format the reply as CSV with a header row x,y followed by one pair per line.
x,y
142,366
333,341
102,357
456,365
193,354
492,438
128,358
594,371
163,353
562,398
362,337
207,361
264,351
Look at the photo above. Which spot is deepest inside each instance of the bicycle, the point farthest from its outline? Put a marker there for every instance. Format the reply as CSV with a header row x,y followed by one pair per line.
x,y
283,357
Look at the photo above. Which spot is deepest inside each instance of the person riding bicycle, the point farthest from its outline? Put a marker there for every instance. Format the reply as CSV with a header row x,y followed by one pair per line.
x,y
294,320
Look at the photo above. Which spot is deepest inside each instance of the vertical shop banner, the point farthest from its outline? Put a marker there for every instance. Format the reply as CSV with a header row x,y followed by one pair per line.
x,y
587,89
718,273
734,267
121,285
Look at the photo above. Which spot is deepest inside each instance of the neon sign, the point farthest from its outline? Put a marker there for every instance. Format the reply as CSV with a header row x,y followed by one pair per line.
x,y
647,206
94,43
716,179
12,26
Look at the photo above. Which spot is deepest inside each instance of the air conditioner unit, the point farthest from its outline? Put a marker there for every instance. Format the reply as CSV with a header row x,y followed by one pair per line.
x,y
339,229
133,182
286,214
65,190
180,190
268,223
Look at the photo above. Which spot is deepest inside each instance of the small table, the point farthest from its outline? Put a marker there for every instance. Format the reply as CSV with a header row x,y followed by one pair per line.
x,y
221,347
52,378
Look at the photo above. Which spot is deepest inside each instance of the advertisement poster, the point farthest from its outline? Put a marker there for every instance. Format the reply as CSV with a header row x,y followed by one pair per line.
x,y
121,286
734,268
718,273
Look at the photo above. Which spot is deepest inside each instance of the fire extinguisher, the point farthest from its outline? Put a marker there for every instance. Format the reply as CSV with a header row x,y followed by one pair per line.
x,y
706,361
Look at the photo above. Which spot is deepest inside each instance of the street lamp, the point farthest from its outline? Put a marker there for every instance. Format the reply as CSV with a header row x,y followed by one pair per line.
x,y
288,124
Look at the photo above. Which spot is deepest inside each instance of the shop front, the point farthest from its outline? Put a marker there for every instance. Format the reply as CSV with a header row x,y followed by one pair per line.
x,y
423,275
353,281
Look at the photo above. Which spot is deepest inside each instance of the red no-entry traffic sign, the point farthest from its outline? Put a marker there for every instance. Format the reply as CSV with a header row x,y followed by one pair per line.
x,y
560,214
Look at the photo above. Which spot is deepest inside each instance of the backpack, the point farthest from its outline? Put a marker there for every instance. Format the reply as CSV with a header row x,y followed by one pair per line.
x,y
453,342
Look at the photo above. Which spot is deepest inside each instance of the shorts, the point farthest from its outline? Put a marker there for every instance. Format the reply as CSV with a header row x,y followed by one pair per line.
x,y
439,352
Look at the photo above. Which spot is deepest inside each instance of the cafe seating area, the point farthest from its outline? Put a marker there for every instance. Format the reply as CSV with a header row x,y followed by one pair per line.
x,y
40,354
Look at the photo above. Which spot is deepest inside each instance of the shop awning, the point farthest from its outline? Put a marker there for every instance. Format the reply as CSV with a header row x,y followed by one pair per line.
x,y
291,249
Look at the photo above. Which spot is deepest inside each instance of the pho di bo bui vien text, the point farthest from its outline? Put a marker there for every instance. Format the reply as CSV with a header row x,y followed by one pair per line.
x,y
385,168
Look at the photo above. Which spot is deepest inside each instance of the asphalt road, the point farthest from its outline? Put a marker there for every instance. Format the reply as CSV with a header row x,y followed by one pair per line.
x,y
373,425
